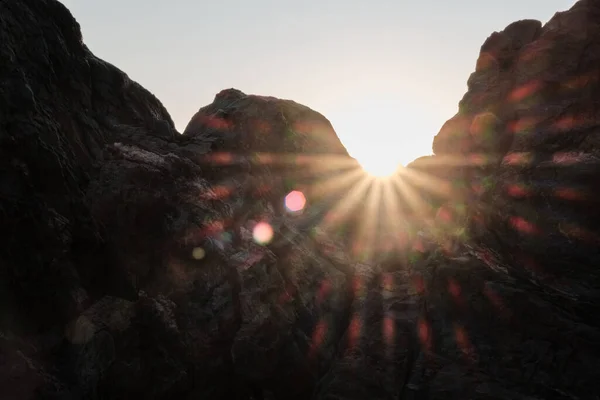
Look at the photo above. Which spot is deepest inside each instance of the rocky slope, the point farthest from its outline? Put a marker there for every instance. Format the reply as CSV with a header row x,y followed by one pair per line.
x,y
138,262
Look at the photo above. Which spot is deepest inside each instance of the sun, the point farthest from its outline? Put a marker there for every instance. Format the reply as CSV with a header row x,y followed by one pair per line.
x,y
378,166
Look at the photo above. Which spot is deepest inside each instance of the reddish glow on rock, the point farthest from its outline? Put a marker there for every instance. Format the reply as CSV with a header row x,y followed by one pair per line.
x,y
523,225
565,123
418,245
217,192
318,336
387,281
388,330
419,284
424,334
357,287
462,340
221,158
477,159
518,191
319,333
354,331
517,159
324,291
216,122
262,233
525,91
212,228
454,288
295,201
444,215
569,194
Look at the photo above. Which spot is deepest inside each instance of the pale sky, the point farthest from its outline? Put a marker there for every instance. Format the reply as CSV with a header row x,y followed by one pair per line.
x,y
386,73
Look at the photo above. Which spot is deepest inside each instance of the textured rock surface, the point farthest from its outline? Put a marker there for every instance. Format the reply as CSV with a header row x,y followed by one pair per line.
x,y
131,266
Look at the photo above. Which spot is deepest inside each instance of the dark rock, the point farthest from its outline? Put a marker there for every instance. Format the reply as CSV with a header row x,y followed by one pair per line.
x,y
131,266
262,124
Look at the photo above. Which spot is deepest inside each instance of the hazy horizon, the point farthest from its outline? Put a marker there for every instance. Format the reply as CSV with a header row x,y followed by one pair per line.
x,y
387,74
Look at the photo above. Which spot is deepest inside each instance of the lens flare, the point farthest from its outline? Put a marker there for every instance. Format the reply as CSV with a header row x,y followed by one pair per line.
x,y
295,201
262,233
198,253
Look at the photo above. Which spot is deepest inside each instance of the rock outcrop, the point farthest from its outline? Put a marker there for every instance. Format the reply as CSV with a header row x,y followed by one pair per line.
x,y
248,259
130,267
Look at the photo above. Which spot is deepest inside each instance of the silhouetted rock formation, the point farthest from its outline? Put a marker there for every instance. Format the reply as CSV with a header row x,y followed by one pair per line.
x,y
138,262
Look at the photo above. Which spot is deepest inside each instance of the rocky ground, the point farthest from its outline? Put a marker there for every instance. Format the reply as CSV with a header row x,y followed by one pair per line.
x,y
141,262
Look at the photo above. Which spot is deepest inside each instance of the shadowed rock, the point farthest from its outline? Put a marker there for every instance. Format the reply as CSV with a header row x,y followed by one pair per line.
x,y
264,124
139,262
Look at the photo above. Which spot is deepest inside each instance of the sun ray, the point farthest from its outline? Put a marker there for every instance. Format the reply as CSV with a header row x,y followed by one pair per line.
x,y
409,194
330,162
392,214
337,183
368,231
341,210
450,160
428,182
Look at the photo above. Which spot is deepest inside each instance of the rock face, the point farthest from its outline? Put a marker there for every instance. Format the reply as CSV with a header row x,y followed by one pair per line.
x,y
130,266
139,262
530,128
524,301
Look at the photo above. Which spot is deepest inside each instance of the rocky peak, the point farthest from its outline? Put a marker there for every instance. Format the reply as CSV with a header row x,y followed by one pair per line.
x,y
265,125
527,132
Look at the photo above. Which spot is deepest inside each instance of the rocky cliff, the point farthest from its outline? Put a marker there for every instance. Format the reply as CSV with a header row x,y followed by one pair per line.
x,y
248,258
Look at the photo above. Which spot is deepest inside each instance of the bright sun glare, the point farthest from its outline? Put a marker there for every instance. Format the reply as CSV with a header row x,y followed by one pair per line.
x,y
378,137
378,166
